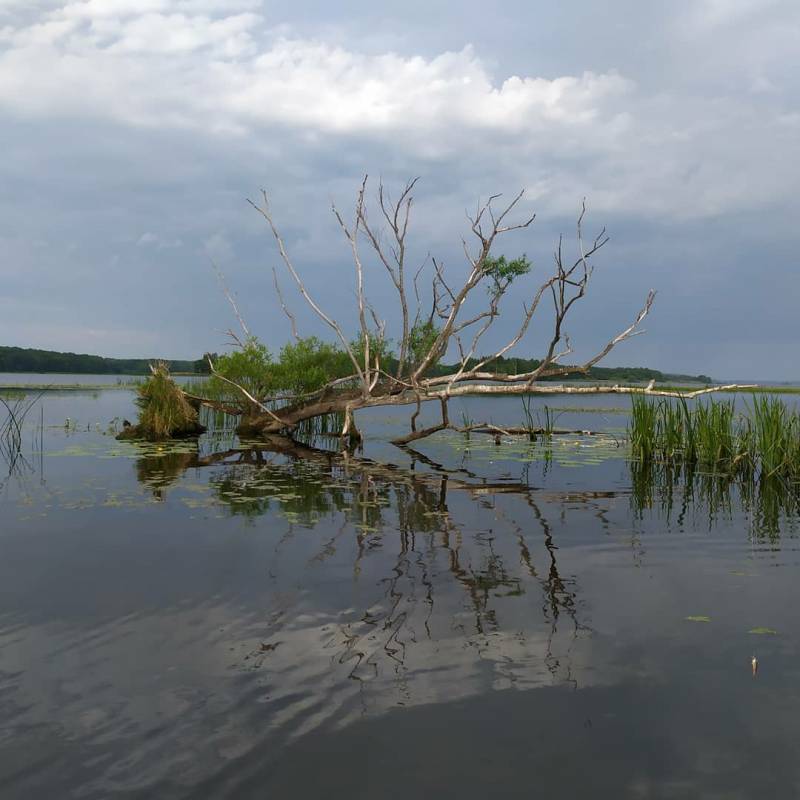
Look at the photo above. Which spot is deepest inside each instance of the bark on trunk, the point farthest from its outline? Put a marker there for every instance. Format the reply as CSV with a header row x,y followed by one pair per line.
x,y
350,401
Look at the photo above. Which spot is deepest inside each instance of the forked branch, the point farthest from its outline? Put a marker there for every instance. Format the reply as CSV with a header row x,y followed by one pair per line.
x,y
454,316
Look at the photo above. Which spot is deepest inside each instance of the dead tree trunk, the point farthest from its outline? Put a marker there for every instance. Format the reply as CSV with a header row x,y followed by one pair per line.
x,y
451,320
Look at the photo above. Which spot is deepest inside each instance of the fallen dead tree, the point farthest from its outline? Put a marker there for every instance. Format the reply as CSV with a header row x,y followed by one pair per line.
x,y
450,319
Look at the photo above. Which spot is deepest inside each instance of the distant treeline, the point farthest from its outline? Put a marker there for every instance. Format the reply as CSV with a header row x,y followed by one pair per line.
x,y
19,359
516,366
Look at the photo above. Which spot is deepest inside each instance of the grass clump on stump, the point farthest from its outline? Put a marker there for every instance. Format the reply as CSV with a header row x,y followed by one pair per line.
x,y
164,411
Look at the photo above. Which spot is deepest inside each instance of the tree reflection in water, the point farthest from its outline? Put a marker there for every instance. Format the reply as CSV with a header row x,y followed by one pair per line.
x,y
429,578
447,574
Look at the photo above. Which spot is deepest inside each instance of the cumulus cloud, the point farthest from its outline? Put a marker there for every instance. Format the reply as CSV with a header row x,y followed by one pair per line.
x,y
211,73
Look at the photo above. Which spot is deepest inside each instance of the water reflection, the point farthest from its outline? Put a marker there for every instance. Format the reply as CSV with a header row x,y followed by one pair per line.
x,y
278,599
449,570
770,505
448,563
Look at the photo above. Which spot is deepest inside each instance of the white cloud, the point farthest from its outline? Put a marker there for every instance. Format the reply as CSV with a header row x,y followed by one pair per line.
x,y
216,69
178,33
99,9
150,239
146,68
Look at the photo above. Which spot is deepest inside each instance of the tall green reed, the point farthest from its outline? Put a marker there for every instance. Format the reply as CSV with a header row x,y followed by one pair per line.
x,y
772,434
763,441
642,427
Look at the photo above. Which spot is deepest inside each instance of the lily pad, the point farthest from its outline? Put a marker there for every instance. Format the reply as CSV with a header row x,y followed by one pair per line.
x,y
698,618
763,631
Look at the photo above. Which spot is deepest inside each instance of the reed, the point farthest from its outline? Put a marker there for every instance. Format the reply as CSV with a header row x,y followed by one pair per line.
x,y
466,423
714,431
538,422
674,432
16,409
547,420
776,436
528,424
642,428
765,441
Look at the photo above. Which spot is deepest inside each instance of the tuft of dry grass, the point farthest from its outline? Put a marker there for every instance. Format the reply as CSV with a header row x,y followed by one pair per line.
x,y
164,411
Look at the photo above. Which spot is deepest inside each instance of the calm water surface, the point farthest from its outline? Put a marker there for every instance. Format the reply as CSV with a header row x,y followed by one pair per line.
x,y
213,620
61,379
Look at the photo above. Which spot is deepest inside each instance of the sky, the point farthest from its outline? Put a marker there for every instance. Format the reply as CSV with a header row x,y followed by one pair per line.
x,y
132,133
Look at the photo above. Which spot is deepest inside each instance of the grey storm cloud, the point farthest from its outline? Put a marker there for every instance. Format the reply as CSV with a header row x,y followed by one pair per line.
x,y
132,132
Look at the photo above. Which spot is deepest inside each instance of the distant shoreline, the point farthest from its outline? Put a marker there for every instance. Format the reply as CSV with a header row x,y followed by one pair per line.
x,y
16,360
54,362
131,386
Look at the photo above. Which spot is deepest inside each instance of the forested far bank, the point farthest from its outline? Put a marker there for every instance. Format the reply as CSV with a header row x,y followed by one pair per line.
x,y
21,359
517,366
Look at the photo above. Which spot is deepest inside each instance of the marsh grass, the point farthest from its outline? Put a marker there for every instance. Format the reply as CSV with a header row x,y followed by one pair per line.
x,y
775,435
765,441
547,420
164,411
539,422
714,433
466,423
642,428
529,414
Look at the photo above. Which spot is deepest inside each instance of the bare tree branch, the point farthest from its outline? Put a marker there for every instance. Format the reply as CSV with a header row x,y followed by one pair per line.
x,y
352,238
231,300
292,320
397,217
456,320
267,214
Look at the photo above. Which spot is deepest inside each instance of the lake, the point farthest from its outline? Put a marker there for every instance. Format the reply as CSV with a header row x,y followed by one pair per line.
x,y
62,379
213,620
